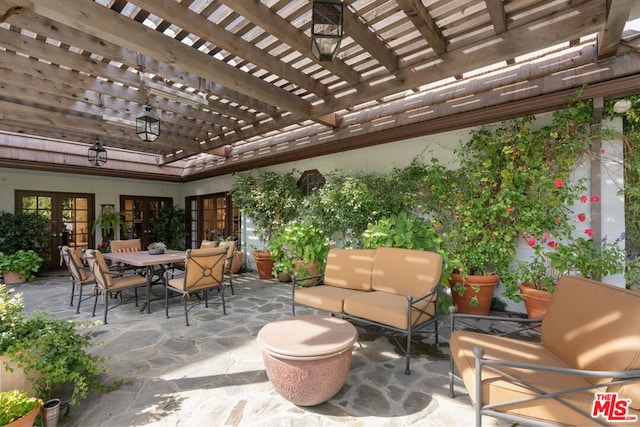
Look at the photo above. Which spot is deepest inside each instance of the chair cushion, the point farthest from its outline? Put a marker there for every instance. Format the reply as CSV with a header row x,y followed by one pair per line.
x,y
349,268
388,309
405,271
496,389
323,297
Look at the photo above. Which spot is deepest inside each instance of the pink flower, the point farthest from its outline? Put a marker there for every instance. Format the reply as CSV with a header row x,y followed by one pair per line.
x,y
582,217
545,235
584,198
602,151
594,199
531,241
559,183
552,244
558,220
588,232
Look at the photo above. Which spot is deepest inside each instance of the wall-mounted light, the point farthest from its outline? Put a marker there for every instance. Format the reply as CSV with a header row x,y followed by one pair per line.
x,y
148,125
326,29
622,106
97,155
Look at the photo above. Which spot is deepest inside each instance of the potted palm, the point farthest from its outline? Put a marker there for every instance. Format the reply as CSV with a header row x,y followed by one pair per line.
x,y
20,266
109,222
18,409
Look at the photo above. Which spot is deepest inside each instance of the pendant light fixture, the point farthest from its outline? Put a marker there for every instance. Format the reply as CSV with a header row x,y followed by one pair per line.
x,y
97,155
326,29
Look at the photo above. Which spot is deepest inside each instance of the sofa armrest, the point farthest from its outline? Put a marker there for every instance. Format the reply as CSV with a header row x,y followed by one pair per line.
x,y
315,280
615,378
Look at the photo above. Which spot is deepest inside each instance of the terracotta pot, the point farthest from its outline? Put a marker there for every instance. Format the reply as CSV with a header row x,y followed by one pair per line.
x,y
238,257
309,270
486,285
26,420
264,263
13,277
536,301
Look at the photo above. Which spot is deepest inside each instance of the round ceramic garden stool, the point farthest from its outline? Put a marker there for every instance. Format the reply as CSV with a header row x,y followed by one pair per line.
x,y
307,358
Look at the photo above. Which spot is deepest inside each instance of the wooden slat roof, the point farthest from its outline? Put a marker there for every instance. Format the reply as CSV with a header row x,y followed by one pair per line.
x,y
236,86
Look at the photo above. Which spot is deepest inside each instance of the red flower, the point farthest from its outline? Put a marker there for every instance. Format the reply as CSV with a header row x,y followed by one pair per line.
x,y
584,198
594,199
602,151
552,244
559,183
531,242
588,232
509,210
545,235
558,220
582,217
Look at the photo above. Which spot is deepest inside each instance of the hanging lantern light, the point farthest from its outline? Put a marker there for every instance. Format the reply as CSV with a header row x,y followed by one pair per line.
x,y
148,125
97,155
326,29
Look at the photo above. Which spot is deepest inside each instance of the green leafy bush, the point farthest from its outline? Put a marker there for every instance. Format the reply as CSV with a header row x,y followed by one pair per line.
x,y
16,404
26,263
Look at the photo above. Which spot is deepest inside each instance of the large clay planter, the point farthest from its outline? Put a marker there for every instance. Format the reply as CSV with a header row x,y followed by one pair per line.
x,y
13,378
13,277
309,270
536,301
264,263
481,287
26,420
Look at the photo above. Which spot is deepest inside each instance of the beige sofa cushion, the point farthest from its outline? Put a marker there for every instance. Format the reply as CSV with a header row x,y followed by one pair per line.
x,y
388,309
324,297
594,326
495,389
349,268
406,271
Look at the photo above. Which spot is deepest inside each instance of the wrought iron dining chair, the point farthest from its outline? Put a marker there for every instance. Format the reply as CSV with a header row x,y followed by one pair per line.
x,y
204,271
109,281
228,263
80,276
126,245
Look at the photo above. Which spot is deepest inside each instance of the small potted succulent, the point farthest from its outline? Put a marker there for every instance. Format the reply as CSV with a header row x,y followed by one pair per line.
x,y
18,408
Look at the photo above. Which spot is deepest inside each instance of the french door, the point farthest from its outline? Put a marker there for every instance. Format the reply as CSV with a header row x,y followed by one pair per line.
x,y
213,217
70,217
139,213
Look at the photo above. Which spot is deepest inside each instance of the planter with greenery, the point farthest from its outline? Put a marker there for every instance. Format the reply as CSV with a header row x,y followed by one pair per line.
x,y
18,405
50,351
534,280
299,248
271,200
109,222
20,266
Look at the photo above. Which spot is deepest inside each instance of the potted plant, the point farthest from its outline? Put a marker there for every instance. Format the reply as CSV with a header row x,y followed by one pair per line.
x,y
20,266
271,200
535,280
23,230
17,408
156,248
299,248
51,352
109,221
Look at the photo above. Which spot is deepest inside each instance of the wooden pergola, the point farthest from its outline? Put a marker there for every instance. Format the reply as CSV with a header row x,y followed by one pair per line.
x,y
236,85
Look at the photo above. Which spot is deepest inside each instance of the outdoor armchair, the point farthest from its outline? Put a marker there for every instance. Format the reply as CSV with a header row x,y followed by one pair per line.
x,y
80,276
204,271
109,281
230,245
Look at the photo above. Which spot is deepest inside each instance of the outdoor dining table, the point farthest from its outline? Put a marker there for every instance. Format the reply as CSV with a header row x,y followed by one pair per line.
x,y
145,260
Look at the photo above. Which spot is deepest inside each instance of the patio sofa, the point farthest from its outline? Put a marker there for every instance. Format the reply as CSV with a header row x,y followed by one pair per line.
x,y
394,288
589,346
